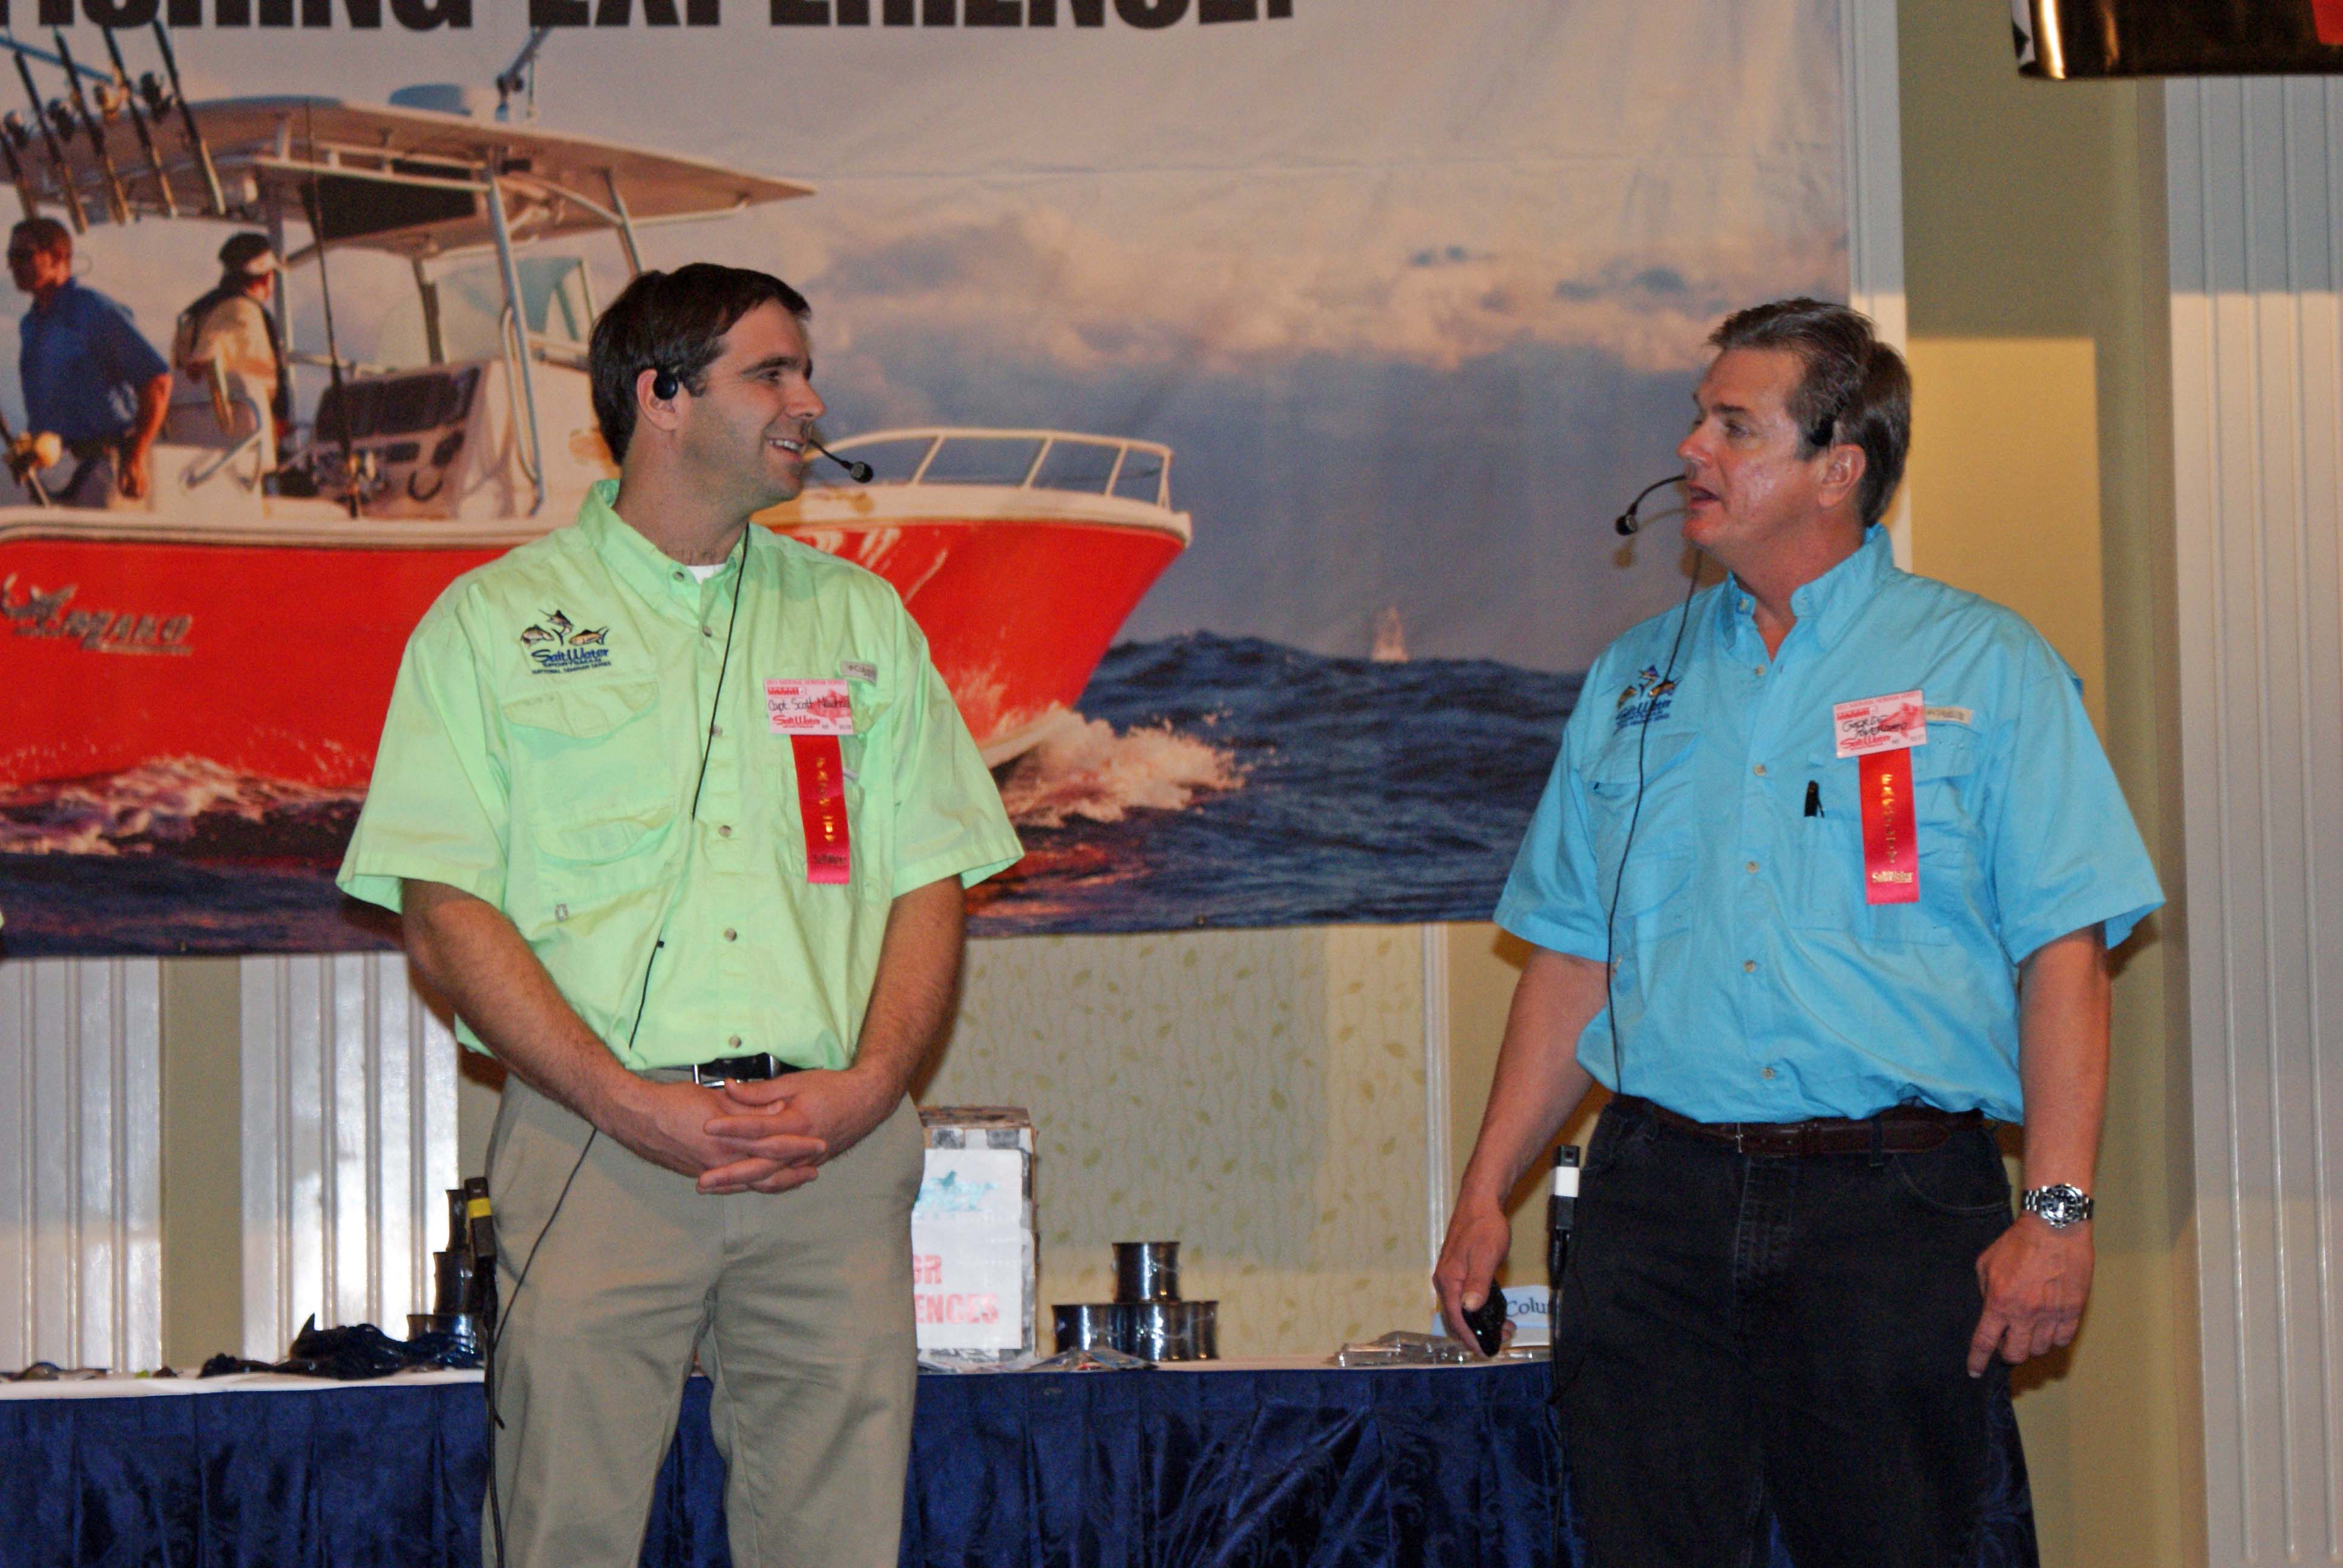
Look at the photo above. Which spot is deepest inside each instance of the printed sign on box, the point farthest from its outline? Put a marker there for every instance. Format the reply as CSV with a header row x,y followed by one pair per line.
x,y
972,1262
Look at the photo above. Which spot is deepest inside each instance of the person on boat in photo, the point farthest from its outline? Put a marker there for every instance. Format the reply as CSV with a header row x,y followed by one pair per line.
x,y
679,814
88,375
1822,884
234,327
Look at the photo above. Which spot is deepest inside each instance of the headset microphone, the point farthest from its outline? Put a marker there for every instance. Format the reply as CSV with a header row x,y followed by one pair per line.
x,y
1627,522
860,472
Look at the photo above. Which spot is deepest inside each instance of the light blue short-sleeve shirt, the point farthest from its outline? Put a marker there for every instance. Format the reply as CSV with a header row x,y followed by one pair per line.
x,y
1753,982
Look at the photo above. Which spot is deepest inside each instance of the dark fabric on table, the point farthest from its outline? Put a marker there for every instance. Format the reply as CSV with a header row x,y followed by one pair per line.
x,y
1136,1470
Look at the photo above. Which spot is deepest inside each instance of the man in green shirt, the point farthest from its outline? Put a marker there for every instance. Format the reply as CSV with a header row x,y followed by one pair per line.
x,y
679,814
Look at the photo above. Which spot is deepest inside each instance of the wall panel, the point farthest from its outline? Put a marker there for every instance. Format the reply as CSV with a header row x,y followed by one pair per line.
x,y
80,1163
349,1144
2255,182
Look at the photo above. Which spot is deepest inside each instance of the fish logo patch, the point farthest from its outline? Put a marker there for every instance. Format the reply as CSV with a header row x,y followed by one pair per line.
x,y
1647,697
559,645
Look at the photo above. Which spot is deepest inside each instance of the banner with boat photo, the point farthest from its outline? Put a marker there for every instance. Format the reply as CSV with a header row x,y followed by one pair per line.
x,y
1245,387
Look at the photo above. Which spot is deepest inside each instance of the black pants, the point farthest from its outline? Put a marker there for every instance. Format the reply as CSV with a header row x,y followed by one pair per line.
x,y
1740,1332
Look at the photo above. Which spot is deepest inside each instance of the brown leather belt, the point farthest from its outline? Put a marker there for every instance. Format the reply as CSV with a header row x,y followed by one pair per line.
x,y
1898,1130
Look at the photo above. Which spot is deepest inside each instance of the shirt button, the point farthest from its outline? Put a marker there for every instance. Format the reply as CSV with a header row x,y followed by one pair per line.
x,y
680,574
708,631
734,1041
1758,670
724,830
717,730
730,935
1761,770
1766,1073
1749,966
1753,868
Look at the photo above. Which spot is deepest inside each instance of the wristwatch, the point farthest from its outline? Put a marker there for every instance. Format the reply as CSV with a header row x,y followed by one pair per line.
x,y
2058,1206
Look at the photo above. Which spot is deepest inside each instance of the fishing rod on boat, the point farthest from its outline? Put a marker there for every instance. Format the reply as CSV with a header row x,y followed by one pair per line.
x,y
212,193
27,456
15,139
521,73
116,198
58,163
313,207
126,95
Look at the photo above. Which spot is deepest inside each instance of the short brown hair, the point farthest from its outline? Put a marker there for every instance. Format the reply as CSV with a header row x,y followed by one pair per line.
x,y
675,322
1852,388
46,233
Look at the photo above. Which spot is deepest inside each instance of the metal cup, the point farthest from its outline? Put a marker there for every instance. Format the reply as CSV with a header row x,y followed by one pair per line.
x,y
1084,1326
1146,1271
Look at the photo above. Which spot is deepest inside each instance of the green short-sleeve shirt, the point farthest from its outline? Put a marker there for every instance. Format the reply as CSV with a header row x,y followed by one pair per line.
x,y
542,752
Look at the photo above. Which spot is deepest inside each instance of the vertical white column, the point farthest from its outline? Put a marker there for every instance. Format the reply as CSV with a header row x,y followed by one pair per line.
x,y
1874,153
81,1162
2255,185
349,1144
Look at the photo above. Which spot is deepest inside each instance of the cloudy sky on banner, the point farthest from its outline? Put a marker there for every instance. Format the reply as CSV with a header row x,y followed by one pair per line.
x,y
1415,292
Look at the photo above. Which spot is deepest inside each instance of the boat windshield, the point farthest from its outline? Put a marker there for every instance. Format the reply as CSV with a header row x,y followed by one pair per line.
x,y
1025,459
554,291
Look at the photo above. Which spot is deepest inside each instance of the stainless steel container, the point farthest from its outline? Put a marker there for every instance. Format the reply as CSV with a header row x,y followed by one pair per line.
x,y
1145,1329
1199,1324
1146,1271
1169,1330
1084,1326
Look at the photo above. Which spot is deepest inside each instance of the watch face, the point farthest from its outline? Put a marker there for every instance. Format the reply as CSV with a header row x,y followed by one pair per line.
x,y
2059,1206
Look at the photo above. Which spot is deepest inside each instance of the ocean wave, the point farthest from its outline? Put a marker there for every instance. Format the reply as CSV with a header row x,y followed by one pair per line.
x,y
193,805
1084,769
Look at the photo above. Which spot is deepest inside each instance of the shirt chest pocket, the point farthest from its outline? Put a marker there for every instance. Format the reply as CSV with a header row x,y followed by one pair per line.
x,y
1830,889
591,781
1634,809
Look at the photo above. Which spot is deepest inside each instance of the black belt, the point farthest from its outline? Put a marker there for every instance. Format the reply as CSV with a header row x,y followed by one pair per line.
x,y
1898,1130
751,1069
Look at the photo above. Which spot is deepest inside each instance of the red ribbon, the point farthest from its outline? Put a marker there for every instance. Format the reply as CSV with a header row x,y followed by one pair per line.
x,y
1891,839
821,802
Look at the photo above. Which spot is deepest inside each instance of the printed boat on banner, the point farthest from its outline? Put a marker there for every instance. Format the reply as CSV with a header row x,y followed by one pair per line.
x,y
250,615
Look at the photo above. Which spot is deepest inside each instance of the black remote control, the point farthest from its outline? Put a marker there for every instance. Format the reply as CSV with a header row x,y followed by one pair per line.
x,y
1487,1320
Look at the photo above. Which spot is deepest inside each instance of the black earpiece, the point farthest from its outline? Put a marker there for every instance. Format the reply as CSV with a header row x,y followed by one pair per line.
x,y
664,385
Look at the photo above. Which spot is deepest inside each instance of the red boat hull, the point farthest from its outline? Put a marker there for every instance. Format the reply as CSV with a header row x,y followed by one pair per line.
x,y
277,661
1018,614
273,662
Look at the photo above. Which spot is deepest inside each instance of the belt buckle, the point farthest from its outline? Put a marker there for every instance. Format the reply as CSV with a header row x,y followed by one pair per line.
x,y
710,1074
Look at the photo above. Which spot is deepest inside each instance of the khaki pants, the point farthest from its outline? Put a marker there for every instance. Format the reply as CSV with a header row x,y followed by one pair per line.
x,y
798,1305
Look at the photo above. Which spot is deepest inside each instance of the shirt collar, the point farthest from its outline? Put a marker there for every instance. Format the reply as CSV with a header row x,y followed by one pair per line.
x,y
1832,599
642,565
67,292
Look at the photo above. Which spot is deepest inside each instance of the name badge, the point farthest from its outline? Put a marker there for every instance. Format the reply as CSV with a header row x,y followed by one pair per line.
x,y
808,708
1880,732
1893,723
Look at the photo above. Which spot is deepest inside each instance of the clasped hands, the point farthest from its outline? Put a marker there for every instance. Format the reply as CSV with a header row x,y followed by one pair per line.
x,y
768,1136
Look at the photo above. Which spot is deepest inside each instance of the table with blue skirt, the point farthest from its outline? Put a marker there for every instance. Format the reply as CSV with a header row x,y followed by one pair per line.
x,y
1225,1464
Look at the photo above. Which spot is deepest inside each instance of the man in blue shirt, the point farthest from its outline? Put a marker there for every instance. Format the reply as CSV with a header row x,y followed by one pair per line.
x,y
87,374
1823,880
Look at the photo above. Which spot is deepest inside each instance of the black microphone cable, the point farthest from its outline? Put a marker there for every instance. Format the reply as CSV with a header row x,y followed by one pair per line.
x,y
496,1331
1634,816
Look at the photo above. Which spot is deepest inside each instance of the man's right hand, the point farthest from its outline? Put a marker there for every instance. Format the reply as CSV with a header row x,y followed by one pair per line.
x,y
1478,1240
666,1124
